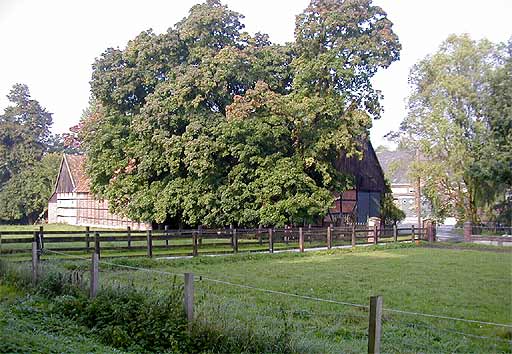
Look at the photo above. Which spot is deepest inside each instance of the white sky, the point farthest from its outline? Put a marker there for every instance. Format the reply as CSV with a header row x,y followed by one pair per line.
x,y
50,45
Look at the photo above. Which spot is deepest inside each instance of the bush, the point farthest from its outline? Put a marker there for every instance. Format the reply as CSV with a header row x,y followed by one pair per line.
x,y
131,319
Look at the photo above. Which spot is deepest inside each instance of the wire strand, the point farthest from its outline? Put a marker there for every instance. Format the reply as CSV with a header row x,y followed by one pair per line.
x,y
306,297
447,318
142,269
44,250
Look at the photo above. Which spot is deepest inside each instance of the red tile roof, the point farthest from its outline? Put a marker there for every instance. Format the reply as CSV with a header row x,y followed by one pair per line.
x,y
76,164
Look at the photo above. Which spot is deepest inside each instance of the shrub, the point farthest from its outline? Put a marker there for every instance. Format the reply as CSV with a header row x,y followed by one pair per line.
x,y
132,319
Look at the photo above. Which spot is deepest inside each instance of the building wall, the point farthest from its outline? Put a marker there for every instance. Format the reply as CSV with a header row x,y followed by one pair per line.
x,y
66,208
52,212
93,212
83,210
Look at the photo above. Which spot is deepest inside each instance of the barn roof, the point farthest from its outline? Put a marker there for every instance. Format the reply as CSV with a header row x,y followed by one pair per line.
x,y
396,164
76,164
72,177
367,171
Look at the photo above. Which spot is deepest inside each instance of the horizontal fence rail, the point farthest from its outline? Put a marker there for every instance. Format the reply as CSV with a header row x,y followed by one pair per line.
x,y
193,242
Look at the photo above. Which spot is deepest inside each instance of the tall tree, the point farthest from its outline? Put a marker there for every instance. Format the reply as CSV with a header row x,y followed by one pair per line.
x,y
448,122
27,169
24,132
208,124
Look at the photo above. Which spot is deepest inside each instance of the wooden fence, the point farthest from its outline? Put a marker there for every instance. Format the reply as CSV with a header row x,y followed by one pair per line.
x,y
201,241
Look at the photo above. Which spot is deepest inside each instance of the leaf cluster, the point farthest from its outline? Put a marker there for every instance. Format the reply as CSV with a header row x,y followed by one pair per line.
x,y
206,124
28,167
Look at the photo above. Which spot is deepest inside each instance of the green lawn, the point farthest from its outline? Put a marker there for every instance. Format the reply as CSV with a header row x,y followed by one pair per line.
x,y
468,284
26,326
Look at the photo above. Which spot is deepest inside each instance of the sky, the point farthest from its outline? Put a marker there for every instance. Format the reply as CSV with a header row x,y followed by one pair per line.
x,y
50,45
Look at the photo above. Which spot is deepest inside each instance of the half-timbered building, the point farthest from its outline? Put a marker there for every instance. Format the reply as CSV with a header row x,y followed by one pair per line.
x,y
73,203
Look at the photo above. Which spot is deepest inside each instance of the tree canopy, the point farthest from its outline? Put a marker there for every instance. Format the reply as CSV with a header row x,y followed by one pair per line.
x,y
27,172
458,119
206,124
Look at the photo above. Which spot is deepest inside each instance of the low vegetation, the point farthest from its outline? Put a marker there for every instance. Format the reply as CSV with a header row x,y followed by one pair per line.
x,y
29,325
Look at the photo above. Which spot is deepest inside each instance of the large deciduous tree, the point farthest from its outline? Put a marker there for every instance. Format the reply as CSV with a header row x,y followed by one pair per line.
x,y
206,124
27,171
24,132
450,122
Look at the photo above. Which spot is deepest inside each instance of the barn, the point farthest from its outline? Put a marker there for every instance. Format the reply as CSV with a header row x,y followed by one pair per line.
x,y
363,202
73,203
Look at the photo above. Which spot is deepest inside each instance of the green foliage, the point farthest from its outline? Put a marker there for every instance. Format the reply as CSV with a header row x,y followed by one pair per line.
x,y
24,133
130,319
205,124
391,214
27,167
26,194
450,122
28,326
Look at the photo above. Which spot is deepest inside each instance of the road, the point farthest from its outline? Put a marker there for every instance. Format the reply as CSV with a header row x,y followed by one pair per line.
x,y
448,233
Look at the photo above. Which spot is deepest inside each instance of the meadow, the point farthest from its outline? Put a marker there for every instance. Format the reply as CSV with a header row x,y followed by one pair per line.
x,y
230,296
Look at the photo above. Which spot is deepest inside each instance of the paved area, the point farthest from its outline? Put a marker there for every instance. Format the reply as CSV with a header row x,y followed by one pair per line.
x,y
448,233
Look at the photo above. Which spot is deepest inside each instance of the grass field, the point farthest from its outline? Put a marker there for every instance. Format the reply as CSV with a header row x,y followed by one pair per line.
x,y
469,284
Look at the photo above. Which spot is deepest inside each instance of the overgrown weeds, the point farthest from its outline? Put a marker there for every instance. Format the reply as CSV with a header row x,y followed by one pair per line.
x,y
140,320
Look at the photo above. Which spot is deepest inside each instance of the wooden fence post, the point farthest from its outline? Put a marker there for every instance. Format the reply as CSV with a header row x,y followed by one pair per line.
x,y
150,243
395,233
0,243
412,234
200,235
97,245
270,241
36,241
235,241
87,240
353,236
375,325
260,239
41,237
189,297
301,240
95,274
166,230
194,244
329,238
375,234
129,236
35,263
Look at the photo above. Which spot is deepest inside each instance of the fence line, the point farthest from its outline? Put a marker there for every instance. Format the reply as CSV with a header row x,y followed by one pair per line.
x,y
117,265
190,242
